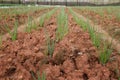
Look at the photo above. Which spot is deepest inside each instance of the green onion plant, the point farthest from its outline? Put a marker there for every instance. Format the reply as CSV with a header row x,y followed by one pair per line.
x,y
62,25
0,41
29,25
50,44
105,54
13,33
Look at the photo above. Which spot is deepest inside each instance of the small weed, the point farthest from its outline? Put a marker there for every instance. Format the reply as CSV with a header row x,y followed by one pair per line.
x,y
105,54
118,17
42,19
50,46
13,33
116,33
43,77
0,41
117,71
29,26
34,25
119,52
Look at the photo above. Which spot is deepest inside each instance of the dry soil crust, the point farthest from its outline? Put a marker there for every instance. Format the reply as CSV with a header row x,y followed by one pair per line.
x,y
74,58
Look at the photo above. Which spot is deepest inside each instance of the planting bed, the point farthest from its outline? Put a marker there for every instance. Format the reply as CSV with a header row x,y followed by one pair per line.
x,y
74,55
10,16
108,21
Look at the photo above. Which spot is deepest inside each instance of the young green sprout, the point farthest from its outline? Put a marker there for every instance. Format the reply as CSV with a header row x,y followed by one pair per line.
x,y
29,26
14,32
42,77
0,41
105,53
50,44
42,19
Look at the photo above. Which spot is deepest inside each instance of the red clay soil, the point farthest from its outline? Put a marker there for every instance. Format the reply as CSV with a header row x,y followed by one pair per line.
x,y
108,22
74,58
22,19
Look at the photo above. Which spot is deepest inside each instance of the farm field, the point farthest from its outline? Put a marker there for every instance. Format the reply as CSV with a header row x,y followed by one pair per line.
x,y
55,43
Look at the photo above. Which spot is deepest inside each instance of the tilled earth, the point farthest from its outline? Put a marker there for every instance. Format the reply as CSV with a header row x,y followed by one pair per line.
x,y
74,58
